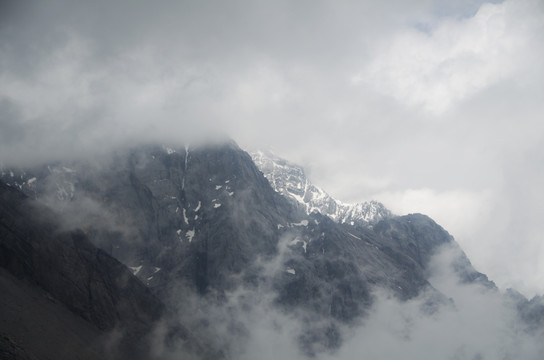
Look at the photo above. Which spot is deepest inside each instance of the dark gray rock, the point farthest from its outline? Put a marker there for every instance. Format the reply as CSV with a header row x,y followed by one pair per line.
x,y
84,281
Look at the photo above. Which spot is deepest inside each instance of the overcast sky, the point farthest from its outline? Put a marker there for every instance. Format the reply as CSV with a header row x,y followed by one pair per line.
x,y
428,106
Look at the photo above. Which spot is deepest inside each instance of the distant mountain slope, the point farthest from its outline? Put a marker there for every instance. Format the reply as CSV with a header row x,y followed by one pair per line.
x,y
290,180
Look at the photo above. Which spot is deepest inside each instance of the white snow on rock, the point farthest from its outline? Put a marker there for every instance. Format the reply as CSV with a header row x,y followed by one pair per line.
x,y
135,269
185,217
198,206
290,180
217,187
190,235
215,206
168,150
354,236
296,241
68,170
291,271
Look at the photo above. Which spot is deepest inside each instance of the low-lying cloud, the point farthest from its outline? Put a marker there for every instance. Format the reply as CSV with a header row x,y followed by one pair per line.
x,y
470,322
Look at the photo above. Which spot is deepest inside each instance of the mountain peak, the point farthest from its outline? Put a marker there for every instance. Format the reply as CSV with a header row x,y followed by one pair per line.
x,y
290,180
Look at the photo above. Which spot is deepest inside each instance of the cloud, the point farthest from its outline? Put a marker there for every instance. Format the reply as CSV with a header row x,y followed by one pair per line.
x,y
439,67
447,97
476,324
470,322
87,75
453,209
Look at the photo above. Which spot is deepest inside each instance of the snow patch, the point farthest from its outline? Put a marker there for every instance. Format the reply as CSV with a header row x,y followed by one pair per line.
x,y
291,271
198,206
215,206
190,235
231,193
135,269
294,241
302,223
354,236
185,216
30,181
68,170
217,187
280,226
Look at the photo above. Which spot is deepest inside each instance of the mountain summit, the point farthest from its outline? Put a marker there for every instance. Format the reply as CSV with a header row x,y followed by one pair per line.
x,y
290,180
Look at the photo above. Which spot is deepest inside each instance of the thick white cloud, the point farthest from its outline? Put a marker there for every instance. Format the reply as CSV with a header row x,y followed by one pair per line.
x,y
437,104
439,67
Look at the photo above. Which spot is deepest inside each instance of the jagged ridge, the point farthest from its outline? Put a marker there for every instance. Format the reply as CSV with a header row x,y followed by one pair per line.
x,y
290,180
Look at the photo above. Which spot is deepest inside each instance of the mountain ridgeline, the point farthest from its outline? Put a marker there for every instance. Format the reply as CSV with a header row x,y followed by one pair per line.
x,y
290,180
203,223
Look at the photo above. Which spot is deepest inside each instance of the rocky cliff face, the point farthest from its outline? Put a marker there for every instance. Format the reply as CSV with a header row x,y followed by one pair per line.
x,y
58,279
195,214
205,219
290,180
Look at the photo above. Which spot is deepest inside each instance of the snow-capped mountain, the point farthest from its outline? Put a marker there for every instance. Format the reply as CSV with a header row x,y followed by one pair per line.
x,y
290,180
202,228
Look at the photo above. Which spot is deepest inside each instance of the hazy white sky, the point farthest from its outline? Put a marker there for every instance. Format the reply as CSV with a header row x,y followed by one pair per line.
x,y
428,106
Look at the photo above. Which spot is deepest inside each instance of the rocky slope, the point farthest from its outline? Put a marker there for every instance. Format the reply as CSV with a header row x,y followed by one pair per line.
x,y
62,297
290,180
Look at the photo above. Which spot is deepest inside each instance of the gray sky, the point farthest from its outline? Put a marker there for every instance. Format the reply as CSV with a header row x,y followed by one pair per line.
x,y
425,105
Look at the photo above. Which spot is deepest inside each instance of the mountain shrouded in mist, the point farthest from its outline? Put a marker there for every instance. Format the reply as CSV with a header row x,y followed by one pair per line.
x,y
217,264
